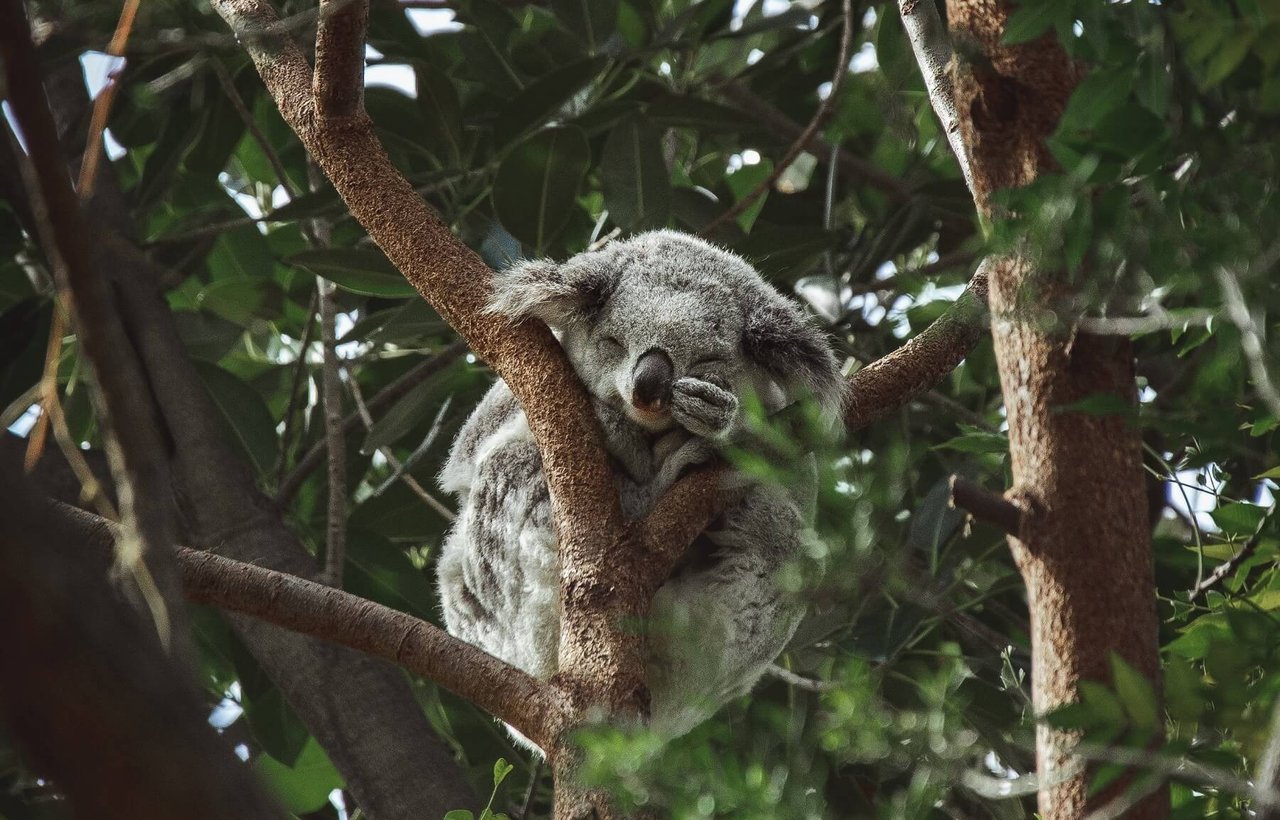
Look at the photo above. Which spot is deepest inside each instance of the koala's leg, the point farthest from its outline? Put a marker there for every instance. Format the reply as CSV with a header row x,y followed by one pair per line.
x,y
716,628
498,576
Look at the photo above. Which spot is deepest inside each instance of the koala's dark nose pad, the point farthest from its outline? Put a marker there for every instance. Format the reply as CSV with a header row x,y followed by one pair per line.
x,y
651,381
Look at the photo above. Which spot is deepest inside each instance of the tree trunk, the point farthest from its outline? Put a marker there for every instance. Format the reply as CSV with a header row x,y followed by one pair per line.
x,y
1084,547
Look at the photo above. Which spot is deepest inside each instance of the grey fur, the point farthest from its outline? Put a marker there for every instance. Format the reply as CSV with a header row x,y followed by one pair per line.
x,y
717,624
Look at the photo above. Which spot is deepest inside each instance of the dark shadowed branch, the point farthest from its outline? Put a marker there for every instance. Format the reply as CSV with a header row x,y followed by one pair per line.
x,y
87,691
135,450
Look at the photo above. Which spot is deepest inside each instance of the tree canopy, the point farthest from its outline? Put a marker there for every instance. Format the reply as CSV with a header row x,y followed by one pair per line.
x,y
803,137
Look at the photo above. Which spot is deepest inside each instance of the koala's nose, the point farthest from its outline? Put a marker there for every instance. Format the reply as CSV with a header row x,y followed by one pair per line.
x,y
651,380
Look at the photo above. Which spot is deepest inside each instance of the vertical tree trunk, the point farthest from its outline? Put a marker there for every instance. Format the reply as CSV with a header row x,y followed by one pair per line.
x,y
1084,547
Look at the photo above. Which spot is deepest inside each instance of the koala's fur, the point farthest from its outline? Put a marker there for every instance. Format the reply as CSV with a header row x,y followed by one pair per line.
x,y
720,620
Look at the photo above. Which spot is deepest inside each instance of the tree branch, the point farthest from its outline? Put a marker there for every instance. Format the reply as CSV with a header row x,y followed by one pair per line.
x,y
932,48
333,615
884,385
339,78
321,611
453,279
85,675
986,506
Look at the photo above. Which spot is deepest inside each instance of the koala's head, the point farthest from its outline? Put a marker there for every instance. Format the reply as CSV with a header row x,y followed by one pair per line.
x,y
639,314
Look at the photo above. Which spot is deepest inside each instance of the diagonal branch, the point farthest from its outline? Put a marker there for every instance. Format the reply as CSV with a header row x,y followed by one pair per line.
x,y
339,79
596,656
916,367
423,649
321,611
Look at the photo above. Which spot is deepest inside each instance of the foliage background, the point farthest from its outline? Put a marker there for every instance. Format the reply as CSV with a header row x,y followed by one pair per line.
x,y
536,128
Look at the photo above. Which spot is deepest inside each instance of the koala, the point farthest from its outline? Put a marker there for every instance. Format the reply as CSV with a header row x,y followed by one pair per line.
x,y
668,334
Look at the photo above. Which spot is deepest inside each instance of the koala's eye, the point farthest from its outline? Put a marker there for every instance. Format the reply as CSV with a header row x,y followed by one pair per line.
x,y
610,345
715,359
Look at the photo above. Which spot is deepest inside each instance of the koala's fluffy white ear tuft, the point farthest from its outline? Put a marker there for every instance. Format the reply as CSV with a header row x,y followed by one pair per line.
x,y
780,340
556,294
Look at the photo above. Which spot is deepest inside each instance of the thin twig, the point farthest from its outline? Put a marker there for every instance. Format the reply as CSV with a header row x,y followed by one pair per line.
x,y
799,681
335,554
1250,340
88,177
853,168
102,105
1139,325
336,529
295,391
379,401
251,125
820,117
399,468
1225,569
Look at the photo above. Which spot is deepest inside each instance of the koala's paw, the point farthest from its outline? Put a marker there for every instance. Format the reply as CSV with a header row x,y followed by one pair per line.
x,y
702,407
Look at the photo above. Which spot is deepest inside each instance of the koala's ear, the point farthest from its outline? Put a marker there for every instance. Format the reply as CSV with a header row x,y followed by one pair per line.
x,y
555,293
783,343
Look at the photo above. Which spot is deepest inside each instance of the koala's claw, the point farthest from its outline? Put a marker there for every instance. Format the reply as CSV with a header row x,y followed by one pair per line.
x,y
702,407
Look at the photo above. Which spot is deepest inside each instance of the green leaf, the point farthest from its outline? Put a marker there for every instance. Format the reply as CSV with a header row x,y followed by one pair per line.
x,y
305,786
441,115
380,571
745,180
1239,518
1182,693
637,186
1228,57
544,98
591,21
1135,692
459,814
538,182
241,300
367,272
501,768
247,420
1098,94
417,406
1029,21
976,441
1106,709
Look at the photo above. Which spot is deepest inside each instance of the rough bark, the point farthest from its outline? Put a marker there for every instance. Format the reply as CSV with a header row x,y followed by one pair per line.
x,y
87,690
1084,546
